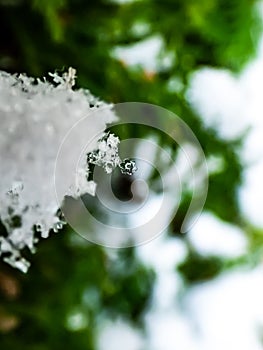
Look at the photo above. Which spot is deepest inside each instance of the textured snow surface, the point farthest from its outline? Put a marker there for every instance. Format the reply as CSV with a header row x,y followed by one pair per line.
x,y
35,117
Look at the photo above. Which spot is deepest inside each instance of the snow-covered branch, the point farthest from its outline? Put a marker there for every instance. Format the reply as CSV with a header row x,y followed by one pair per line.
x,y
35,116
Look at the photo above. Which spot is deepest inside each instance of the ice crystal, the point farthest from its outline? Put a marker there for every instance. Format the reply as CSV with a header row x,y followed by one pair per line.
x,y
107,156
128,166
35,116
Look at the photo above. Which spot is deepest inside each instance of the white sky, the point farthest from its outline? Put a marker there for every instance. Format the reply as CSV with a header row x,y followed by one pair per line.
x,y
233,105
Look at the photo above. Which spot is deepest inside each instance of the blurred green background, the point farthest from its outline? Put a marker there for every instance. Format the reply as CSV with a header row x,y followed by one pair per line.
x,y
73,285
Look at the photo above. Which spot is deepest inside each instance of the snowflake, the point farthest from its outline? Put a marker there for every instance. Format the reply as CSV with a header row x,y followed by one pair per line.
x,y
107,156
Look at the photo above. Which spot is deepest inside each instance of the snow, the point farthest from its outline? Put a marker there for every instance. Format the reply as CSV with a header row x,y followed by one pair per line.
x,y
36,116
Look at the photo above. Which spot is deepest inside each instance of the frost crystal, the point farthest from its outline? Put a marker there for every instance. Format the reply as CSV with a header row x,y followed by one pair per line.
x,y
128,166
107,156
35,116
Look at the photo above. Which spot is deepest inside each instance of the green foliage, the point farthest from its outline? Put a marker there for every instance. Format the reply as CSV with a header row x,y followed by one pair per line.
x,y
197,268
69,276
37,36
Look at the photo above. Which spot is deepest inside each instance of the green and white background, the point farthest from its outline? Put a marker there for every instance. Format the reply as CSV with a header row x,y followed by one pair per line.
x,y
202,289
